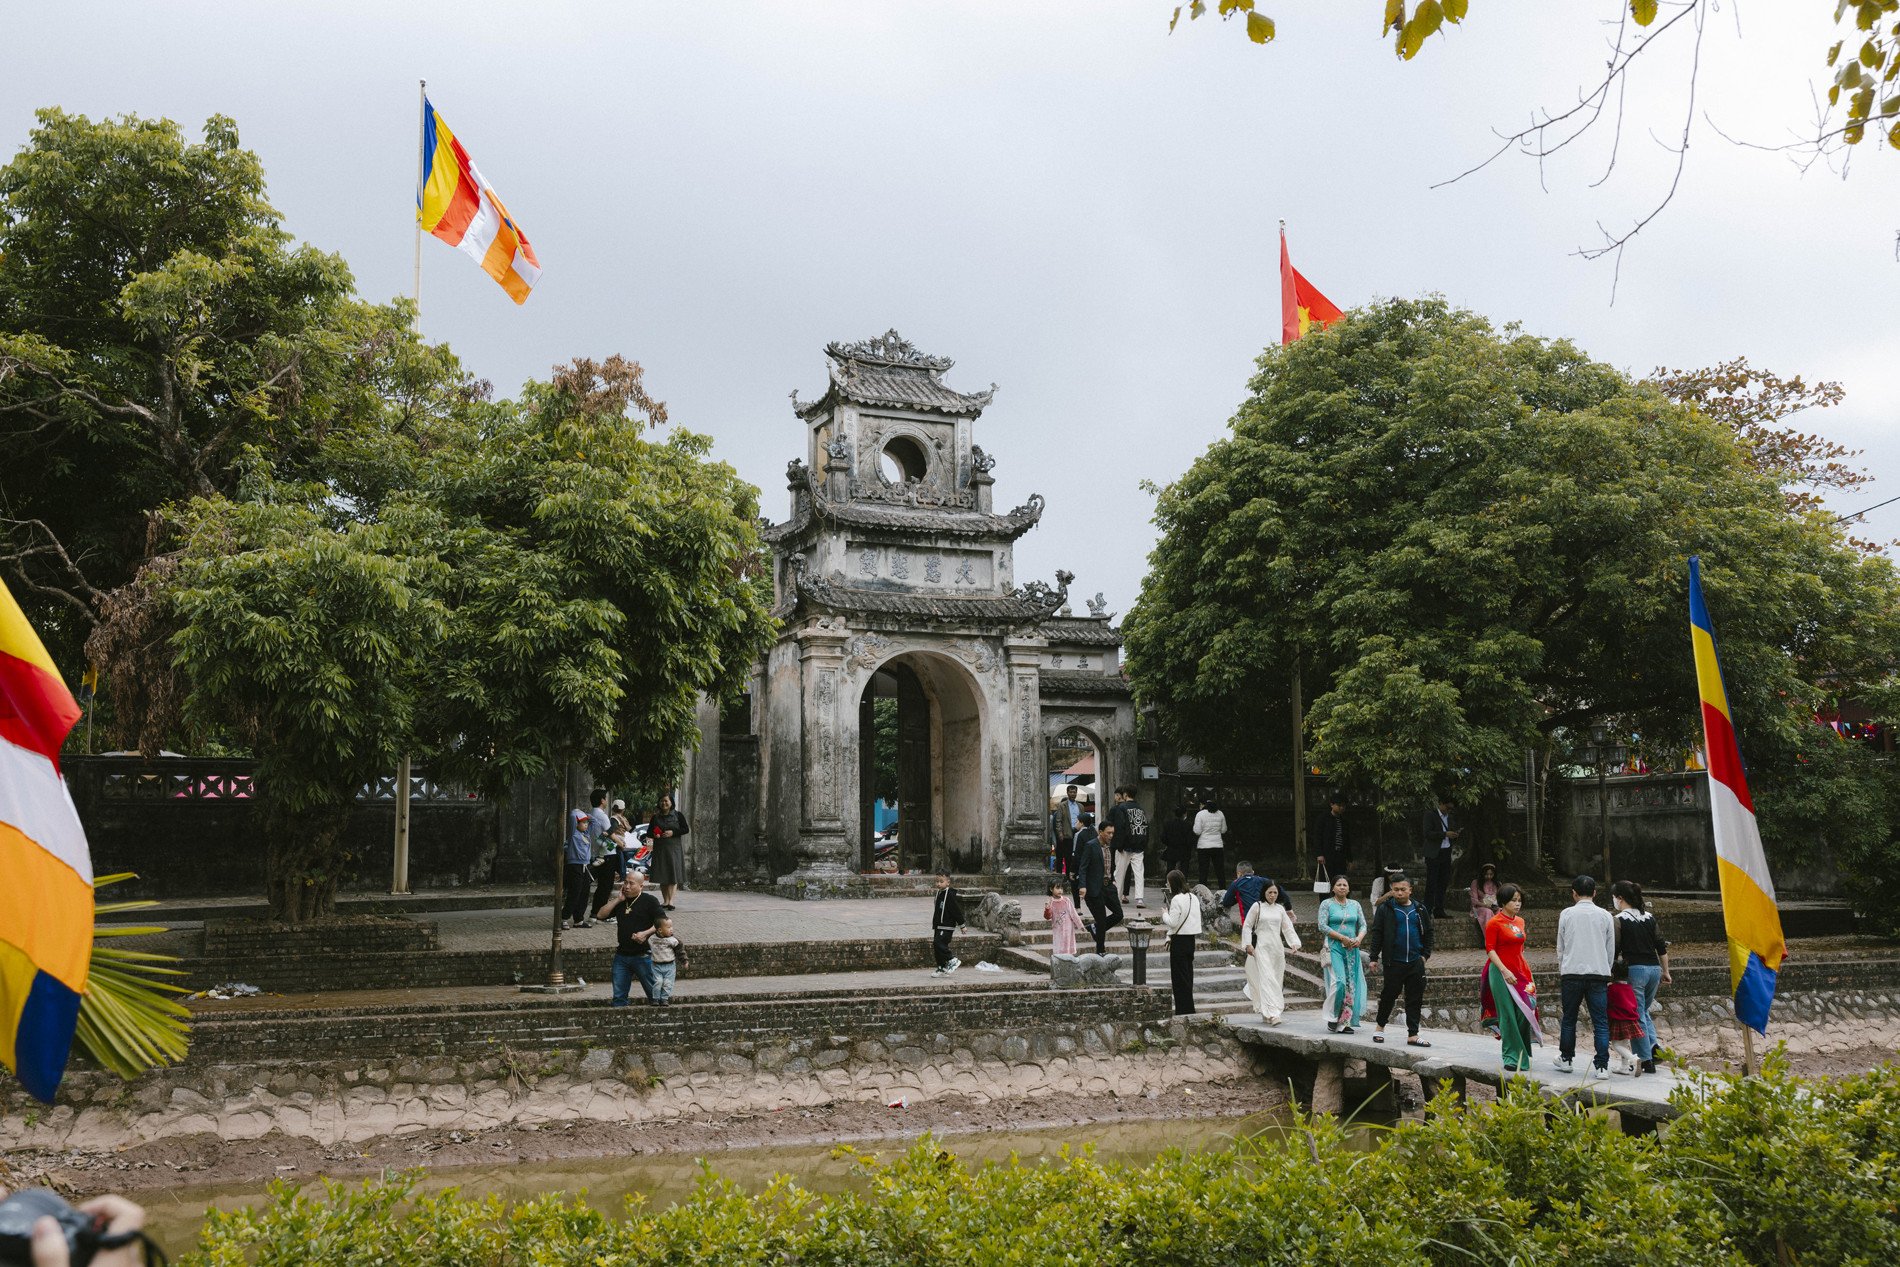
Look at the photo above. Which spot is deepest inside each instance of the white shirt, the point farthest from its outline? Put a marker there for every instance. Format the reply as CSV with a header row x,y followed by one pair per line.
x,y
1183,916
1210,826
1586,941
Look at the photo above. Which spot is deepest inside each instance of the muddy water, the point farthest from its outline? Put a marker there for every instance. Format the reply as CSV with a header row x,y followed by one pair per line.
x,y
665,1178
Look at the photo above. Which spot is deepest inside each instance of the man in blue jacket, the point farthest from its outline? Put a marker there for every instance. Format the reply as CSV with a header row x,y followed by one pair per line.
x,y
574,886
1401,942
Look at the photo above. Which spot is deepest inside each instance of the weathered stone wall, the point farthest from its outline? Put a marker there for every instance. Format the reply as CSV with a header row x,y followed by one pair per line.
x,y
192,828
380,970
680,1072
252,940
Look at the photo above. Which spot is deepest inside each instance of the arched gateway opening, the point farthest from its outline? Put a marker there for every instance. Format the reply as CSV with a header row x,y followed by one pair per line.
x,y
921,767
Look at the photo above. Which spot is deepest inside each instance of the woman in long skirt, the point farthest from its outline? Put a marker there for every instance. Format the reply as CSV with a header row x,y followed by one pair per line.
x,y
1506,993
1266,935
1183,920
1342,926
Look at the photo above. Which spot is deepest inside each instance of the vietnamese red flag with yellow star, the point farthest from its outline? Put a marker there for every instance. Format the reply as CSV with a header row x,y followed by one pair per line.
x,y
1301,305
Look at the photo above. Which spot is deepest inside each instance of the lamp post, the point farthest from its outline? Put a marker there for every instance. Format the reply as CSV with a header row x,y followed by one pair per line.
x,y
1139,930
1603,754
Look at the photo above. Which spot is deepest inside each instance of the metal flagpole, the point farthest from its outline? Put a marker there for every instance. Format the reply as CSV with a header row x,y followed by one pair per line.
x,y
399,869
422,142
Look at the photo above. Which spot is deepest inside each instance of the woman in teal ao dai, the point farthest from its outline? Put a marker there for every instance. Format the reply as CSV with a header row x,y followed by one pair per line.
x,y
1343,926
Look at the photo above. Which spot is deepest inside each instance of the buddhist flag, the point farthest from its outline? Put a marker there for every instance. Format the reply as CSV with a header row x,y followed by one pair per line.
x,y
45,867
1301,305
456,204
1755,945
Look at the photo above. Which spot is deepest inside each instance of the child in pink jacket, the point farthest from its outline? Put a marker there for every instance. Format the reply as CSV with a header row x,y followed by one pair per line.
x,y
1064,923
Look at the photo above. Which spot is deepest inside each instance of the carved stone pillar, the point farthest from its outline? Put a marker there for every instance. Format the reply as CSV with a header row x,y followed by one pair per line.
x,y
821,856
1026,823
838,469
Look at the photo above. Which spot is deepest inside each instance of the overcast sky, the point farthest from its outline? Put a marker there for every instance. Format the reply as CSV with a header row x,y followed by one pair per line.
x,y
1065,198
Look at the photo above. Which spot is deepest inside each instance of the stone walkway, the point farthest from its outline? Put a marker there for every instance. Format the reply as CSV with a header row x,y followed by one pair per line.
x,y
1468,1056
688,989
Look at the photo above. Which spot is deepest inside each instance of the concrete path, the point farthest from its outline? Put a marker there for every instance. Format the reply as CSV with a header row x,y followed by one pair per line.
x,y
1465,1057
687,990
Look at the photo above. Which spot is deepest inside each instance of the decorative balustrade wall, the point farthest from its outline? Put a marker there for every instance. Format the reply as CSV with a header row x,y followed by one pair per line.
x,y
192,827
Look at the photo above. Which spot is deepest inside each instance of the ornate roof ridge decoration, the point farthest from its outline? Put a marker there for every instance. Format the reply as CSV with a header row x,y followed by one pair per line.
x,y
1021,608
889,348
888,370
902,516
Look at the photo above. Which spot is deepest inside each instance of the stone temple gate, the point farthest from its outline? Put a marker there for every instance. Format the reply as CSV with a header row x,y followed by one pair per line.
x,y
894,580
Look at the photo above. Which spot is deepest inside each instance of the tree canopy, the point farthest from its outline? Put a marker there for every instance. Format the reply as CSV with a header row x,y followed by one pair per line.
x,y
1473,541
1863,65
156,321
281,522
538,583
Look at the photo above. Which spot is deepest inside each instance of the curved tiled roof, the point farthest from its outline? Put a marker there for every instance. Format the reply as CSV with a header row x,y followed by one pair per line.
x,y
1021,608
921,519
1070,682
1085,630
889,370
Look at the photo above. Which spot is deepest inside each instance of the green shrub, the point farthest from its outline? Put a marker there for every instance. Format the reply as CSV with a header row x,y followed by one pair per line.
x,y
1774,1170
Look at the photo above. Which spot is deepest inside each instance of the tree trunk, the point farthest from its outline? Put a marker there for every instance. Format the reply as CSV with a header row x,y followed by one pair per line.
x,y
305,861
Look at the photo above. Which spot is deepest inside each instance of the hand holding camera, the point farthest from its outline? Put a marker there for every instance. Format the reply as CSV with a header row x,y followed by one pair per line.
x,y
38,1229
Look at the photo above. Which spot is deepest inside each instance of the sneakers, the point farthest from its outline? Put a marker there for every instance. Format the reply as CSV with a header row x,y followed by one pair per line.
x,y
953,965
1563,1064
1649,1066
940,972
567,923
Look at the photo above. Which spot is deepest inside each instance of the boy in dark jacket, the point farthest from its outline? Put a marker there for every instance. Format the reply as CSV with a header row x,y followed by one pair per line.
x,y
946,917
1401,941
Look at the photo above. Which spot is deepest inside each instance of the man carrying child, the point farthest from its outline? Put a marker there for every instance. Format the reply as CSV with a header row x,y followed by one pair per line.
x,y
636,913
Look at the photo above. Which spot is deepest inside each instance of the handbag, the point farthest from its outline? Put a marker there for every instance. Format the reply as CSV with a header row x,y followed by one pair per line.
x,y
1322,882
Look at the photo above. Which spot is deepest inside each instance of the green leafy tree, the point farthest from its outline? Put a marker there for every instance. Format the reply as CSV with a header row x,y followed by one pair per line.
x,y
307,639
156,323
1473,542
601,581
513,587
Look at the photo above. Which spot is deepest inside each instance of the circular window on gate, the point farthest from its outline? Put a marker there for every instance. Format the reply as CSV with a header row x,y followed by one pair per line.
x,y
902,461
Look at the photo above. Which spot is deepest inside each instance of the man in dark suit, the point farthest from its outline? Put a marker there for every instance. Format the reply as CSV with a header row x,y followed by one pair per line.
x,y
1439,828
1093,884
1329,838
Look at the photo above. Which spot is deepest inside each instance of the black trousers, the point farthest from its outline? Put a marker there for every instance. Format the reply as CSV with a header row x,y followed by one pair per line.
x,y
940,946
1437,880
1181,971
1209,860
575,889
605,882
1409,977
1106,907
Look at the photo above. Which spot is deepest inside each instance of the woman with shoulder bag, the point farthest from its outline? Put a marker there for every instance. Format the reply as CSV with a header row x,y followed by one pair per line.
x,y
1183,920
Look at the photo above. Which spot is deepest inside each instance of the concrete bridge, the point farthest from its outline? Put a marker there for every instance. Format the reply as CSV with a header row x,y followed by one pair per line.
x,y
1319,1064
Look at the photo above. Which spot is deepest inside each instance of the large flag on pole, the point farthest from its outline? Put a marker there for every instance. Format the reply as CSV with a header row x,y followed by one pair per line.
x,y
1755,945
1301,305
45,867
456,204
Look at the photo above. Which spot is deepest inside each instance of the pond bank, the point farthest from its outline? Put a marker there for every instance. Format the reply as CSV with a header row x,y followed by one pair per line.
x,y
203,1162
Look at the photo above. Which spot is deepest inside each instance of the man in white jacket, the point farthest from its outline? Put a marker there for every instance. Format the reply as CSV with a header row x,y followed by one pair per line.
x,y
1586,945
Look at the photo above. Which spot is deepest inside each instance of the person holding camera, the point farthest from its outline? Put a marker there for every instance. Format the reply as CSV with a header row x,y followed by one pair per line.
x,y
38,1229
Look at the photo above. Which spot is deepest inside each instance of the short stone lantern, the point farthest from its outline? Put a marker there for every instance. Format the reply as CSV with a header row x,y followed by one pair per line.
x,y
1139,931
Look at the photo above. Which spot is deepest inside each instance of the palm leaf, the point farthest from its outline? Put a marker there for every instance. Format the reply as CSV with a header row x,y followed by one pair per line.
x,y
128,1021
